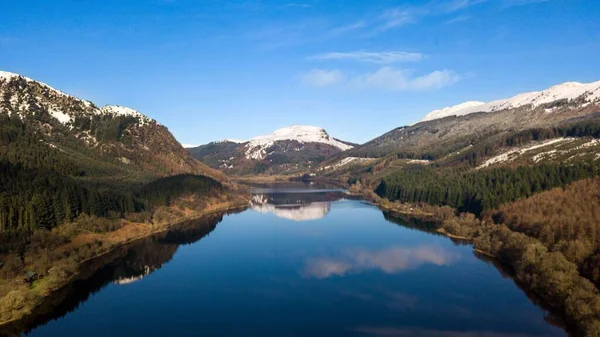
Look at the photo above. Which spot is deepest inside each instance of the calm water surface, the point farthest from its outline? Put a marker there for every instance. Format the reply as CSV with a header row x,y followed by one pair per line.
x,y
296,264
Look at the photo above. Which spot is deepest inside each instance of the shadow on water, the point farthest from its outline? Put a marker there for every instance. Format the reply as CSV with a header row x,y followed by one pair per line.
x,y
123,265
430,226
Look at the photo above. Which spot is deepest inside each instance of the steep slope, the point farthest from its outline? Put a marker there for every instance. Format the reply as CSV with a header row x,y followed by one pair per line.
x,y
574,92
61,157
555,108
287,150
45,128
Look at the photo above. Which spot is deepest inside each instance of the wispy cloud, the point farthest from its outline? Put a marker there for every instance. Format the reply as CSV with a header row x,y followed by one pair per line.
x,y
457,19
512,3
396,17
385,78
372,57
389,78
341,30
298,5
405,15
323,78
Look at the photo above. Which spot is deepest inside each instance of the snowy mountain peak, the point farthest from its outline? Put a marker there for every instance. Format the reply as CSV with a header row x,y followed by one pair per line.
x,y
451,110
64,112
587,92
256,147
117,110
8,76
296,132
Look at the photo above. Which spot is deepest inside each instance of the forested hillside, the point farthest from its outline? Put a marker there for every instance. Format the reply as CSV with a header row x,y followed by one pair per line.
x,y
479,190
41,127
61,157
564,219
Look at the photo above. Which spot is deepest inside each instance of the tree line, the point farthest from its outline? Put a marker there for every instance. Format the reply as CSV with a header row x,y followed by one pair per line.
x,y
32,198
480,190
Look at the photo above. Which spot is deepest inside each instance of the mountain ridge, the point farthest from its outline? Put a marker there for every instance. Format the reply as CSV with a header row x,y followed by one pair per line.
x,y
288,149
569,91
124,141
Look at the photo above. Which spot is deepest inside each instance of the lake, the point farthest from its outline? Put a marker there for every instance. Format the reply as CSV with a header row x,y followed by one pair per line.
x,y
298,262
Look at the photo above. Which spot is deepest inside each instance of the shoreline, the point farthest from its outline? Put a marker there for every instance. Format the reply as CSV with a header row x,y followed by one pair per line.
x,y
571,328
38,299
396,209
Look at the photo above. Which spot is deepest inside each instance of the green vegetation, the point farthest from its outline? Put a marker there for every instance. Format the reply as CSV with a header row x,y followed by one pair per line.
x,y
472,147
545,271
572,228
479,190
32,199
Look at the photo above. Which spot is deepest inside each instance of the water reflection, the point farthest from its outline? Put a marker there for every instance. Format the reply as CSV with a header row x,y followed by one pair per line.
x,y
349,273
123,266
297,212
390,261
296,205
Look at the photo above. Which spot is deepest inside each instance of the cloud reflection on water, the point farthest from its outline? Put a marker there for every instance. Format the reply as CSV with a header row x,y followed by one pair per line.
x,y
390,260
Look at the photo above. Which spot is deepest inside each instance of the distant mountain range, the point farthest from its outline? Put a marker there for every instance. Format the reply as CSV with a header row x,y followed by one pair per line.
x,y
457,129
584,93
287,150
471,132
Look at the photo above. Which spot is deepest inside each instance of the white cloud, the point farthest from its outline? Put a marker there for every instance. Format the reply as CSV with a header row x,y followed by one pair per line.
x,y
298,5
323,77
396,17
372,57
390,78
405,15
511,3
385,78
341,30
458,19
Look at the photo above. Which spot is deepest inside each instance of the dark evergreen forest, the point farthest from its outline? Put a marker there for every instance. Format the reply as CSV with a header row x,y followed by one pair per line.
x,y
480,190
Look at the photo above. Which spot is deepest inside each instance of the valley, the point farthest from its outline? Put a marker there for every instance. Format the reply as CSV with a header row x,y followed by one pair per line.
x,y
321,168
80,182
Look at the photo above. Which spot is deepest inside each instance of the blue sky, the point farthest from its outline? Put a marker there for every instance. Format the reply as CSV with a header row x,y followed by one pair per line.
x,y
210,69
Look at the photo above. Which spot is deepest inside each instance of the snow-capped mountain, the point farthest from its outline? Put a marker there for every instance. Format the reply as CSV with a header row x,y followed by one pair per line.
x,y
569,92
289,149
102,140
446,132
257,147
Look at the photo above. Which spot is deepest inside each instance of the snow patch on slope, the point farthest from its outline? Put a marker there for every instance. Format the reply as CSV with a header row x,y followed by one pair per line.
x,y
451,110
568,91
5,75
256,147
512,154
61,116
347,161
117,110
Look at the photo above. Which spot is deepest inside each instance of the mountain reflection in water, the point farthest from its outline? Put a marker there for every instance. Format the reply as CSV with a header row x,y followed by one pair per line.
x,y
295,204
